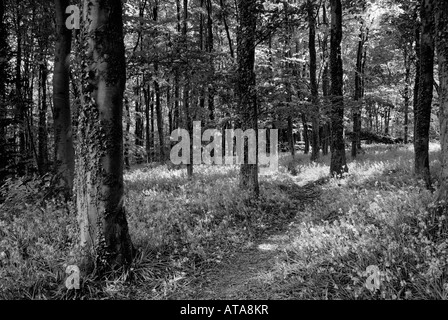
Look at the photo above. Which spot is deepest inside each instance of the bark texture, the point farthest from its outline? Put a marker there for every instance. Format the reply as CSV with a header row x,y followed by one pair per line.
x,y
338,163
425,93
246,94
99,181
441,27
64,153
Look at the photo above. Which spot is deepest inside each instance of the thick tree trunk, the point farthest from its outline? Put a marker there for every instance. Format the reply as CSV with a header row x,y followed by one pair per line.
x,y
246,91
63,134
338,161
441,27
423,112
313,81
99,180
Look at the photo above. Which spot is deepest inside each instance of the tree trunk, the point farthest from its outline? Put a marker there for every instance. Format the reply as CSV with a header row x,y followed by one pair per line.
x,y
3,79
21,116
188,120
226,27
306,136
246,91
338,162
358,93
441,27
210,48
291,141
159,121
326,140
313,81
62,122
148,133
139,124
127,161
423,112
406,94
157,93
99,181
42,131
417,75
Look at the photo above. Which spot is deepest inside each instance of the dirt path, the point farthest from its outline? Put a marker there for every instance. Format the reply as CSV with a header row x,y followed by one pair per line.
x,y
248,273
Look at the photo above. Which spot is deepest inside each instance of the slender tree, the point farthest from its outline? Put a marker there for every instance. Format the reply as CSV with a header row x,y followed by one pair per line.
x,y
338,161
313,81
99,179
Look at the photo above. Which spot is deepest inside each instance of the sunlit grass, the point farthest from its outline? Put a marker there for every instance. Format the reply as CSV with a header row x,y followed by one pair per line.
x,y
378,214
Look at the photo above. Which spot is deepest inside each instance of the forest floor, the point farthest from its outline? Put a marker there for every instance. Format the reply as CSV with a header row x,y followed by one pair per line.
x,y
307,236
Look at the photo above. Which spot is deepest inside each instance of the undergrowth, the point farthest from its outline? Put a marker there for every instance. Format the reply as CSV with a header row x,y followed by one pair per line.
x,y
378,214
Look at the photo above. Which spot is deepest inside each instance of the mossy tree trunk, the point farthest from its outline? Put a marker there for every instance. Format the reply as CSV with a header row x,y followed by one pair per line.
x,y
338,163
99,180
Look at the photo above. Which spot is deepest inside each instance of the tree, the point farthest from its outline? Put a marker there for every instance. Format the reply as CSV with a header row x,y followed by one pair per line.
x,y
338,163
441,32
99,180
4,52
358,91
423,112
64,151
313,80
246,91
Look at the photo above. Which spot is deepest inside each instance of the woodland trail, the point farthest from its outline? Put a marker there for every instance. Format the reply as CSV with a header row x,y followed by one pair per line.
x,y
248,273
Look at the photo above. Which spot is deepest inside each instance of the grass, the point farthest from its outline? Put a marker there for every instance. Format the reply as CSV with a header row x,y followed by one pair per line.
x,y
189,231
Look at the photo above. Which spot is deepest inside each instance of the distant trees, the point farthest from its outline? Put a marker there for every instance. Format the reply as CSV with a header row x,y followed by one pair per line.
x,y
99,169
